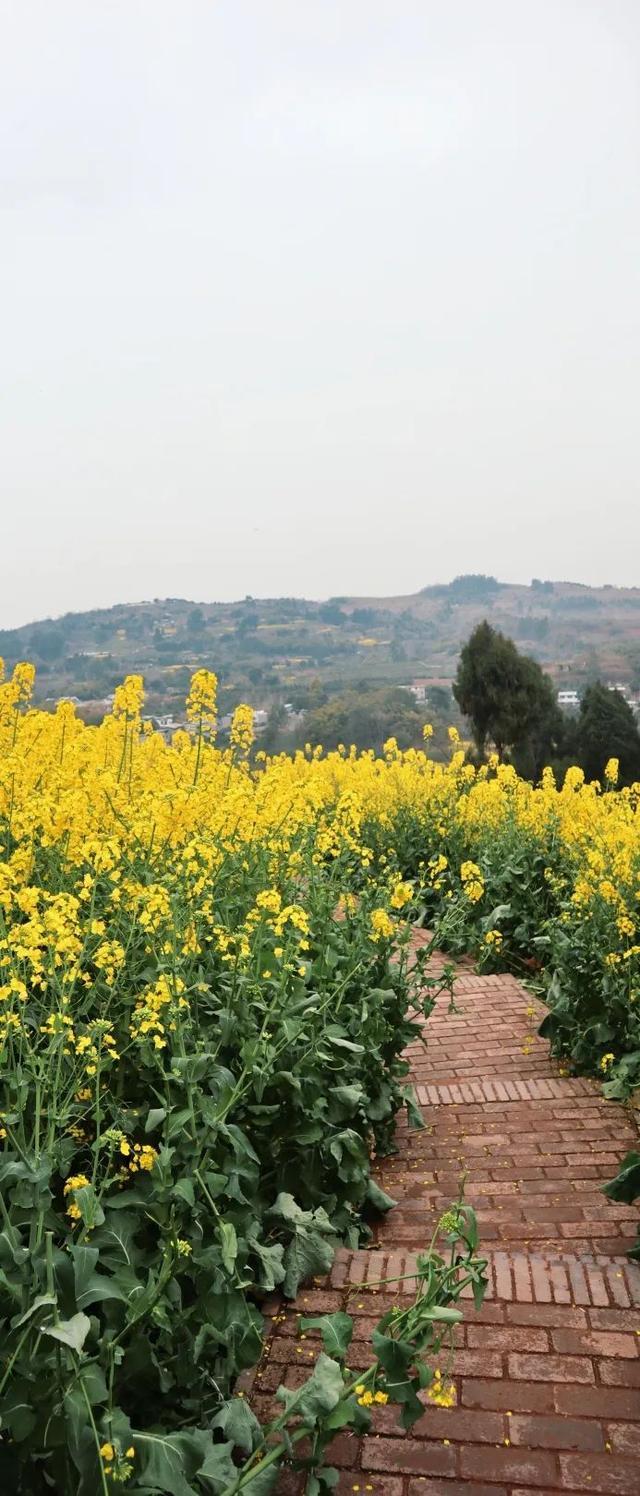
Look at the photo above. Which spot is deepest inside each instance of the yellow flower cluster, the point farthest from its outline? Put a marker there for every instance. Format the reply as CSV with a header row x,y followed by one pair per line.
x,y
202,698
366,1398
73,1183
116,1464
472,881
382,928
441,1391
242,735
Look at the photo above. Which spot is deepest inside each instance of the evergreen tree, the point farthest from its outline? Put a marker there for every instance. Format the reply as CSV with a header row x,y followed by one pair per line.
x,y
508,699
607,729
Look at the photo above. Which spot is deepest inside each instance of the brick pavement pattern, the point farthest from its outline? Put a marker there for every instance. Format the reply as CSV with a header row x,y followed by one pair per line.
x,y
548,1371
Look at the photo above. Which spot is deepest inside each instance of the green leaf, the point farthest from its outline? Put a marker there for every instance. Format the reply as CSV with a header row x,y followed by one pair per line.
x,y
308,1253
396,1357
91,1287
89,1206
271,1271
349,1096
626,1185
183,1190
155,1116
377,1197
229,1245
441,1312
263,1482
218,1470
414,1114
340,1043
115,1239
239,1424
72,1332
170,1462
289,1210
319,1395
325,1479
16,1411
336,1330
44,1300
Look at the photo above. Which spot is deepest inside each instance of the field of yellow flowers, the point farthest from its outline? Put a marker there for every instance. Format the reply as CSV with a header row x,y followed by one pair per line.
x,y
204,983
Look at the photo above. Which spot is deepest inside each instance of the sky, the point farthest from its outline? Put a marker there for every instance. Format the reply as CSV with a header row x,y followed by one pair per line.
x,y
314,297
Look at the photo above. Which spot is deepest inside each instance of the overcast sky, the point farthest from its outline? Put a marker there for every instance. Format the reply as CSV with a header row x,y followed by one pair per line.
x,y
316,296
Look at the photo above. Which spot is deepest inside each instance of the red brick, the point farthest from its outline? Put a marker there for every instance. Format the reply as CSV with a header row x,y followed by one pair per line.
x,y
288,1484
537,1468
594,1343
541,1281
599,1473
559,1315
556,1433
352,1482
551,1368
597,1286
478,1364
598,1402
459,1424
507,1338
614,1319
422,1487
620,1373
625,1439
523,1397
408,1456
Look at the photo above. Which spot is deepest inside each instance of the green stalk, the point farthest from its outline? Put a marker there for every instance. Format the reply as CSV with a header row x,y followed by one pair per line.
x,y
103,1478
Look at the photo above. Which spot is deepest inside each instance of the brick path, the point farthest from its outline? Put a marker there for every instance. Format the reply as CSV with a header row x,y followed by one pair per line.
x,y
548,1371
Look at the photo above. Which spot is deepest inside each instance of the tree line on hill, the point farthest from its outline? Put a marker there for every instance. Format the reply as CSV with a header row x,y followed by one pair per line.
x,y
511,705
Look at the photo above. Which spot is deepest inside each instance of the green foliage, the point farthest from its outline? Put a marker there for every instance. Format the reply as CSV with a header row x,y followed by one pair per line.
x,y
407,1342
607,729
506,697
129,1325
626,1187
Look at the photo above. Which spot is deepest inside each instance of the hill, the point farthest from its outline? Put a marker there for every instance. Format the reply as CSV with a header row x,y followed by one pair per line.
x,y
295,650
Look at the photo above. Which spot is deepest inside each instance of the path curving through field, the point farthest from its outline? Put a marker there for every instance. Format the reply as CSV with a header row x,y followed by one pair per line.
x,y
548,1371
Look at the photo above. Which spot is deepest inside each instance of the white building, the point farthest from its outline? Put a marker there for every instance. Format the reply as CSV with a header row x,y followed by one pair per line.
x,y
568,699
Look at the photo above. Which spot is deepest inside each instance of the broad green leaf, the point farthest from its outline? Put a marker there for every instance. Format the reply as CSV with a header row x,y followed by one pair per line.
x,y
271,1271
16,1411
239,1424
183,1190
336,1330
155,1116
340,1043
171,1462
308,1253
72,1332
349,1096
115,1239
289,1210
43,1301
396,1358
229,1245
626,1185
91,1287
319,1395
377,1197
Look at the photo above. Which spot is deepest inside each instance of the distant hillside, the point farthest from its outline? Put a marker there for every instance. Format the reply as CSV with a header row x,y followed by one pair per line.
x,y
281,649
